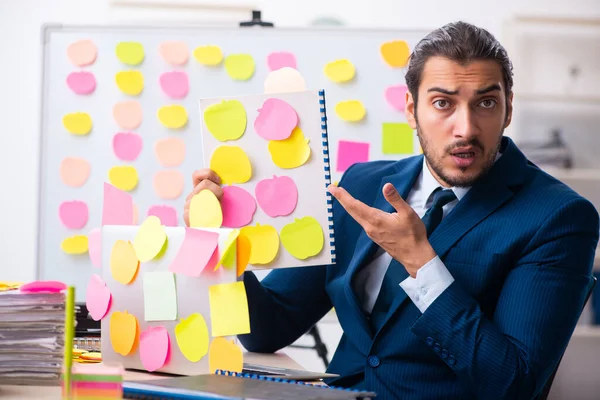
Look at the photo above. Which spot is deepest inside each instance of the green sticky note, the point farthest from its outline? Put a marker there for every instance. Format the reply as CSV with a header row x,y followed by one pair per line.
x,y
160,296
397,138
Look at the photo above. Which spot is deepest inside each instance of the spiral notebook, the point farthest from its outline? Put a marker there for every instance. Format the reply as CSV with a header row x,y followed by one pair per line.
x,y
272,154
234,386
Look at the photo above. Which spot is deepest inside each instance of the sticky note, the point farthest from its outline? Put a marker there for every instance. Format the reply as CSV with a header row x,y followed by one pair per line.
x,y
173,116
395,96
97,297
280,59
168,184
149,239
155,346
350,110
205,210
303,238
195,252
166,214
264,243
284,80
117,208
130,82
238,207
124,263
78,123
208,55
74,171
291,152
95,247
395,53
398,138
127,145
226,120
82,53
124,332
242,253
124,177
81,82
340,71
174,84
170,152
277,196
160,296
228,256
228,309
276,120
192,337
42,287
232,164
128,114
77,244
239,67
350,153
174,52
130,53
225,355
73,214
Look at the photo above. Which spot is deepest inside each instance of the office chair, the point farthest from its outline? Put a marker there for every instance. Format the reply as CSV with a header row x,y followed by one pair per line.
x,y
319,346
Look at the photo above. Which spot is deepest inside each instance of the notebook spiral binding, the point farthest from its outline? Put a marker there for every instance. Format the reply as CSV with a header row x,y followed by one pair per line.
x,y
325,142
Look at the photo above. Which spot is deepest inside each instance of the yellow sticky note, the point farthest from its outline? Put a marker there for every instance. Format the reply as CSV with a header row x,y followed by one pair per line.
x,y
240,67
264,243
130,82
130,53
192,337
78,123
340,71
174,116
208,55
397,138
205,210
226,120
228,309
350,110
242,253
303,238
124,177
291,152
124,332
150,239
75,244
231,164
228,257
123,262
395,53
225,355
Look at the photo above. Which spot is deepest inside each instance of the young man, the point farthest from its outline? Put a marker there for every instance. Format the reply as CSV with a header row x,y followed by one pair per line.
x,y
460,273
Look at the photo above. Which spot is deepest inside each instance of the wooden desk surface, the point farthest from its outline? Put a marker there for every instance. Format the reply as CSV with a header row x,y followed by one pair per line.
x,y
53,392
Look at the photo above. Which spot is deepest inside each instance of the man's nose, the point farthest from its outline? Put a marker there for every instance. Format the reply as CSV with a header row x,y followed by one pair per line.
x,y
464,124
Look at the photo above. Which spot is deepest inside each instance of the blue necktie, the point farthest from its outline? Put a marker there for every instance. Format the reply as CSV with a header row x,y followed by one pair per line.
x,y
396,272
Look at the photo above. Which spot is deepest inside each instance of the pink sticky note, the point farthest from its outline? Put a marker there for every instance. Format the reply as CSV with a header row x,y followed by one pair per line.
x,y
396,96
117,208
350,153
97,298
127,146
155,347
281,59
277,196
166,214
276,120
238,207
82,82
195,252
95,246
175,84
43,286
73,214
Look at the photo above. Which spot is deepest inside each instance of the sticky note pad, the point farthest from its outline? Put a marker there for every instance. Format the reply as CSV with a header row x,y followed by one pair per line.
x,y
192,337
130,53
160,296
225,355
292,152
195,252
229,309
350,153
395,53
239,67
397,138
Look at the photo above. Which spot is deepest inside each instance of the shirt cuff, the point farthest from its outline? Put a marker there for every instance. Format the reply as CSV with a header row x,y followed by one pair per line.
x,y
432,279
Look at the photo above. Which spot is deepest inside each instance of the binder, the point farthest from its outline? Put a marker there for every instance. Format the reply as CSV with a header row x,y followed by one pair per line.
x,y
327,171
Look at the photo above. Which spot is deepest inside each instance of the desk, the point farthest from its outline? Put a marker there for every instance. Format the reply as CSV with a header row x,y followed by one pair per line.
x,y
54,392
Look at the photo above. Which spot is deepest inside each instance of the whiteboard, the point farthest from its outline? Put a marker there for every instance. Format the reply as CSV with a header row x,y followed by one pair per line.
x,y
312,47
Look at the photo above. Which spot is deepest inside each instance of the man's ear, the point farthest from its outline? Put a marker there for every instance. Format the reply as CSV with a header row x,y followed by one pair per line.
x,y
409,110
509,110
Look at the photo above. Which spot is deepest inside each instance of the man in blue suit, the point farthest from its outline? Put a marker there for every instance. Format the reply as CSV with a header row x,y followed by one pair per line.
x,y
460,273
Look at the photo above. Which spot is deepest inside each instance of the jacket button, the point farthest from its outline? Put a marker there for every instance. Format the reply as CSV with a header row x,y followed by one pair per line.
x,y
374,361
429,341
451,360
437,348
444,353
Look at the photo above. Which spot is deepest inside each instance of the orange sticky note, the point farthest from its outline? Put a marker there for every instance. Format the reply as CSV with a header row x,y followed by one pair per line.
x,y
225,355
229,309
124,332
123,262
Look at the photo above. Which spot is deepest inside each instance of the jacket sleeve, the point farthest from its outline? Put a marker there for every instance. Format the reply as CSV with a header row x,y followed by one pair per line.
x,y
511,355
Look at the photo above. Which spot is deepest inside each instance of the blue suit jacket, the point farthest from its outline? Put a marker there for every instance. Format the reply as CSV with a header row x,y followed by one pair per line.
x,y
520,246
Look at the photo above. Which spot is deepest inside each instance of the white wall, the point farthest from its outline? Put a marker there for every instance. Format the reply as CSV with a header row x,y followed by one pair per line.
x,y
20,23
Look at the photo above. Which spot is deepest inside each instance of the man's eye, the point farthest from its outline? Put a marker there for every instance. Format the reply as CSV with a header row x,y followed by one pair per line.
x,y
441,104
488,103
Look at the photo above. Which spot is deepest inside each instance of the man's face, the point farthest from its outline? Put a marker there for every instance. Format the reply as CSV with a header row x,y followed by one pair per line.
x,y
460,118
